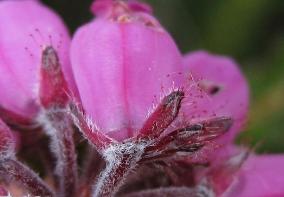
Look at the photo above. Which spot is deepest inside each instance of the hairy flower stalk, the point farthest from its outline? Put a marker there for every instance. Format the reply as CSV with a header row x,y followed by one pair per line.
x,y
14,171
54,98
11,170
123,157
172,191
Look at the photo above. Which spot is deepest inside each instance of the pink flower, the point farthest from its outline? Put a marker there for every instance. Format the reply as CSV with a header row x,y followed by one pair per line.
x,y
225,86
123,61
26,28
260,176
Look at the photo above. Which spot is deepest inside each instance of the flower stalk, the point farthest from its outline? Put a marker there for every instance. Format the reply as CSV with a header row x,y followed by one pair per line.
x,y
121,158
13,170
54,99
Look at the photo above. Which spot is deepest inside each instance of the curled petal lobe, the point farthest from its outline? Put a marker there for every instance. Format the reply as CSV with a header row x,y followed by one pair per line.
x,y
26,27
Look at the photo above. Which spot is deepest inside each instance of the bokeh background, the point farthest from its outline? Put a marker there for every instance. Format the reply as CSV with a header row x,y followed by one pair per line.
x,y
251,31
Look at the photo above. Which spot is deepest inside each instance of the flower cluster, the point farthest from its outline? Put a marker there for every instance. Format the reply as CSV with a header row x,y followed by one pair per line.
x,y
156,122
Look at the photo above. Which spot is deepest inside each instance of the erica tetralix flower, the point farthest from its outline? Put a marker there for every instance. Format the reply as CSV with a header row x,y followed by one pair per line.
x,y
123,62
151,115
224,87
26,28
36,83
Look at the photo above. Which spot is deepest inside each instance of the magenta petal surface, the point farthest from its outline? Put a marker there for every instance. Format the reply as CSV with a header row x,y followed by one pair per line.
x,y
26,27
261,176
223,89
3,191
122,65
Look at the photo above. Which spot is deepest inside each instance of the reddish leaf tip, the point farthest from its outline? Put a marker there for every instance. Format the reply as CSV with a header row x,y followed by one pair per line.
x,y
163,116
53,86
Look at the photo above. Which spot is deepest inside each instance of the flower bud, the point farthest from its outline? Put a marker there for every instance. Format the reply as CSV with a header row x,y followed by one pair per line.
x,y
224,89
123,61
26,28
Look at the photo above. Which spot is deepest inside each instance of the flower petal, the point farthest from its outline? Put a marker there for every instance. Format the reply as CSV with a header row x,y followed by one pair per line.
x,y
261,176
225,90
122,64
25,28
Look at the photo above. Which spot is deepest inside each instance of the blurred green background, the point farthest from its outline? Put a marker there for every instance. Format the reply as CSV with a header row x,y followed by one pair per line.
x,y
251,31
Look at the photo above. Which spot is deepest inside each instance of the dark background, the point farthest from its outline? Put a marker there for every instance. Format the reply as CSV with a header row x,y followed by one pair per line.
x,y
251,31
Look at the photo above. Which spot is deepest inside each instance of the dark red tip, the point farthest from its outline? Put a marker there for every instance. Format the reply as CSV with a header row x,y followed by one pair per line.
x,y
53,87
163,116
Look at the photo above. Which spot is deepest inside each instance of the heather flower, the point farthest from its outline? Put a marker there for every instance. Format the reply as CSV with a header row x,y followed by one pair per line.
x,y
123,62
149,115
26,28
226,89
36,83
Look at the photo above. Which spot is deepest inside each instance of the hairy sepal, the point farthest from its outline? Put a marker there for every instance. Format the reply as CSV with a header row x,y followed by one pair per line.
x,y
53,89
189,139
7,142
12,170
96,138
163,116
54,99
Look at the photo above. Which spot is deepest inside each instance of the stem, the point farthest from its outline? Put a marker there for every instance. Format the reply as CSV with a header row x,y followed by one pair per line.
x,y
59,128
167,191
93,165
121,159
12,169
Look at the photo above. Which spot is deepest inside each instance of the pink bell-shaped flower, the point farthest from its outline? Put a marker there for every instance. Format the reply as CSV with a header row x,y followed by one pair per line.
x,y
123,62
224,90
26,28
